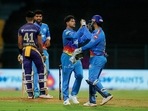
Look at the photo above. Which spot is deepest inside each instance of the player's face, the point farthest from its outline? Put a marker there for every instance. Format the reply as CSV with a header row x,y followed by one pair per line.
x,y
71,23
38,18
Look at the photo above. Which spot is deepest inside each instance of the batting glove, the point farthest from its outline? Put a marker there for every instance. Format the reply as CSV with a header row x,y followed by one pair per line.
x,y
20,58
83,22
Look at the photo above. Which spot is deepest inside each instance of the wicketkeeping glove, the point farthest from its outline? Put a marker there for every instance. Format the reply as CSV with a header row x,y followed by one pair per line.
x,y
74,56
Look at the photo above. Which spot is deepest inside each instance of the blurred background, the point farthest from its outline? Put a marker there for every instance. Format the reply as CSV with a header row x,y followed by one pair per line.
x,y
125,25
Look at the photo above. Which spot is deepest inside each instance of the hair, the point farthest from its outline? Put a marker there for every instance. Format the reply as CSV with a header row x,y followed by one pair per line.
x,y
38,12
68,18
29,14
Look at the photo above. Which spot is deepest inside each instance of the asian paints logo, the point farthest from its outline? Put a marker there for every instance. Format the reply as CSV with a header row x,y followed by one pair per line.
x,y
10,79
106,78
6,78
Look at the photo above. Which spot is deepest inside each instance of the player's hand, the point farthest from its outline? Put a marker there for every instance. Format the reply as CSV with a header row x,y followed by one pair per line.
x,y
83,22
47,43
20,58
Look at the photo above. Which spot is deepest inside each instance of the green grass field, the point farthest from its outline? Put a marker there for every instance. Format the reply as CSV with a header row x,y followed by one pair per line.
x,y
124,100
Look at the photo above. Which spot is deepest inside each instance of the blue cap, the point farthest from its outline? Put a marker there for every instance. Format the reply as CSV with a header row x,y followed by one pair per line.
x,y
97,18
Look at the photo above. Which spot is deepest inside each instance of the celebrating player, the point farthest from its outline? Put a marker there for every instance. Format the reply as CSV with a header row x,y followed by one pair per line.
x,y
45,33
70,43
96,45
29,41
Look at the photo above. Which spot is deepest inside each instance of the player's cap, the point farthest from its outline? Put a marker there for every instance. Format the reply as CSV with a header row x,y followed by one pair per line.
x,y
30,14
97,19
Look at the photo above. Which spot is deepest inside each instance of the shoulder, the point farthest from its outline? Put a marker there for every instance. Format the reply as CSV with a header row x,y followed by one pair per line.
x,y
44,24
67,31
22,27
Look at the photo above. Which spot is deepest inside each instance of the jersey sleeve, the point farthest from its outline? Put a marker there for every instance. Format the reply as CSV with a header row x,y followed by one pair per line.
x,y
95,39
48,33
86,36
72,34
19,32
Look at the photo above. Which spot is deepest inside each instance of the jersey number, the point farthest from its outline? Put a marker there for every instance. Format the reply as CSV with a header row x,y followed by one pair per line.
x,y
28,37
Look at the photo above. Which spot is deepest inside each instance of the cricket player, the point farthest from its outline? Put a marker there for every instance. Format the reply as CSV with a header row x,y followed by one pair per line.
x,y
70,43
96,45
45,33
31,50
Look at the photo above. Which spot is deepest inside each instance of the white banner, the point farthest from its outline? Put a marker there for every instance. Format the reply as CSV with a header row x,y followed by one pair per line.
x,y
111,79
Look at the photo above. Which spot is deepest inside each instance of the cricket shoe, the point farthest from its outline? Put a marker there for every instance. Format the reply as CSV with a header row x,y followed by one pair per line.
x,y
90,104
36,94
74,99
66,102
46,96
105,100
30,97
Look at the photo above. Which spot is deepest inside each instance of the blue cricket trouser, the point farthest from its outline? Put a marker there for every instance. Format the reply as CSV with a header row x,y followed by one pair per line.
x,y
36,87
97,63
67,69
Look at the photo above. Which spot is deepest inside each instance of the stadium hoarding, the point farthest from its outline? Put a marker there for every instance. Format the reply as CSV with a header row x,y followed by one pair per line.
x,y
110,78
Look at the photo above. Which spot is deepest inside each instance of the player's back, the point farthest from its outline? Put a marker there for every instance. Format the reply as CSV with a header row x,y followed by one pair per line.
x,y
29,33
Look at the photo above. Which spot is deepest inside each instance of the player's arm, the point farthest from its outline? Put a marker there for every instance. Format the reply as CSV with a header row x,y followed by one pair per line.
x,y
40,44
20,47
94,40
20,41
48,38
86,36
68,34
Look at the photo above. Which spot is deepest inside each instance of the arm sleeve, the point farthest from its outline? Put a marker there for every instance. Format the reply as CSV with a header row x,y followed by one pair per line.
x,y
70,34
86,36
94,40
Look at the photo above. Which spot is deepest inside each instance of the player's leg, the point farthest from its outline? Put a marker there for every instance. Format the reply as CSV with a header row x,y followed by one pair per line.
x,y
28,76
35,80
67,68
92,97
97,63
46,54
78,73
37,59
47,60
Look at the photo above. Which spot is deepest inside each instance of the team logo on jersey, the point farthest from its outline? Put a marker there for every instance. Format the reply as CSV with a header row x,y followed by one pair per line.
x,y
22,30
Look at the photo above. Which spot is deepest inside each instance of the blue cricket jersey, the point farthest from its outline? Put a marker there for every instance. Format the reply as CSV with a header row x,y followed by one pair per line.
x,y
70,40
97,43
44,31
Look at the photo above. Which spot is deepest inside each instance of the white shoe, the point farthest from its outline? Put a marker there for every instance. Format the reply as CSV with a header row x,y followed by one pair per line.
x,y
66,102
46,96
105,100
29,97
73,99
90,104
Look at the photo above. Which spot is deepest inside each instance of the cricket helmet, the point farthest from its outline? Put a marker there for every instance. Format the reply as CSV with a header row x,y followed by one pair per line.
x,y
97,19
